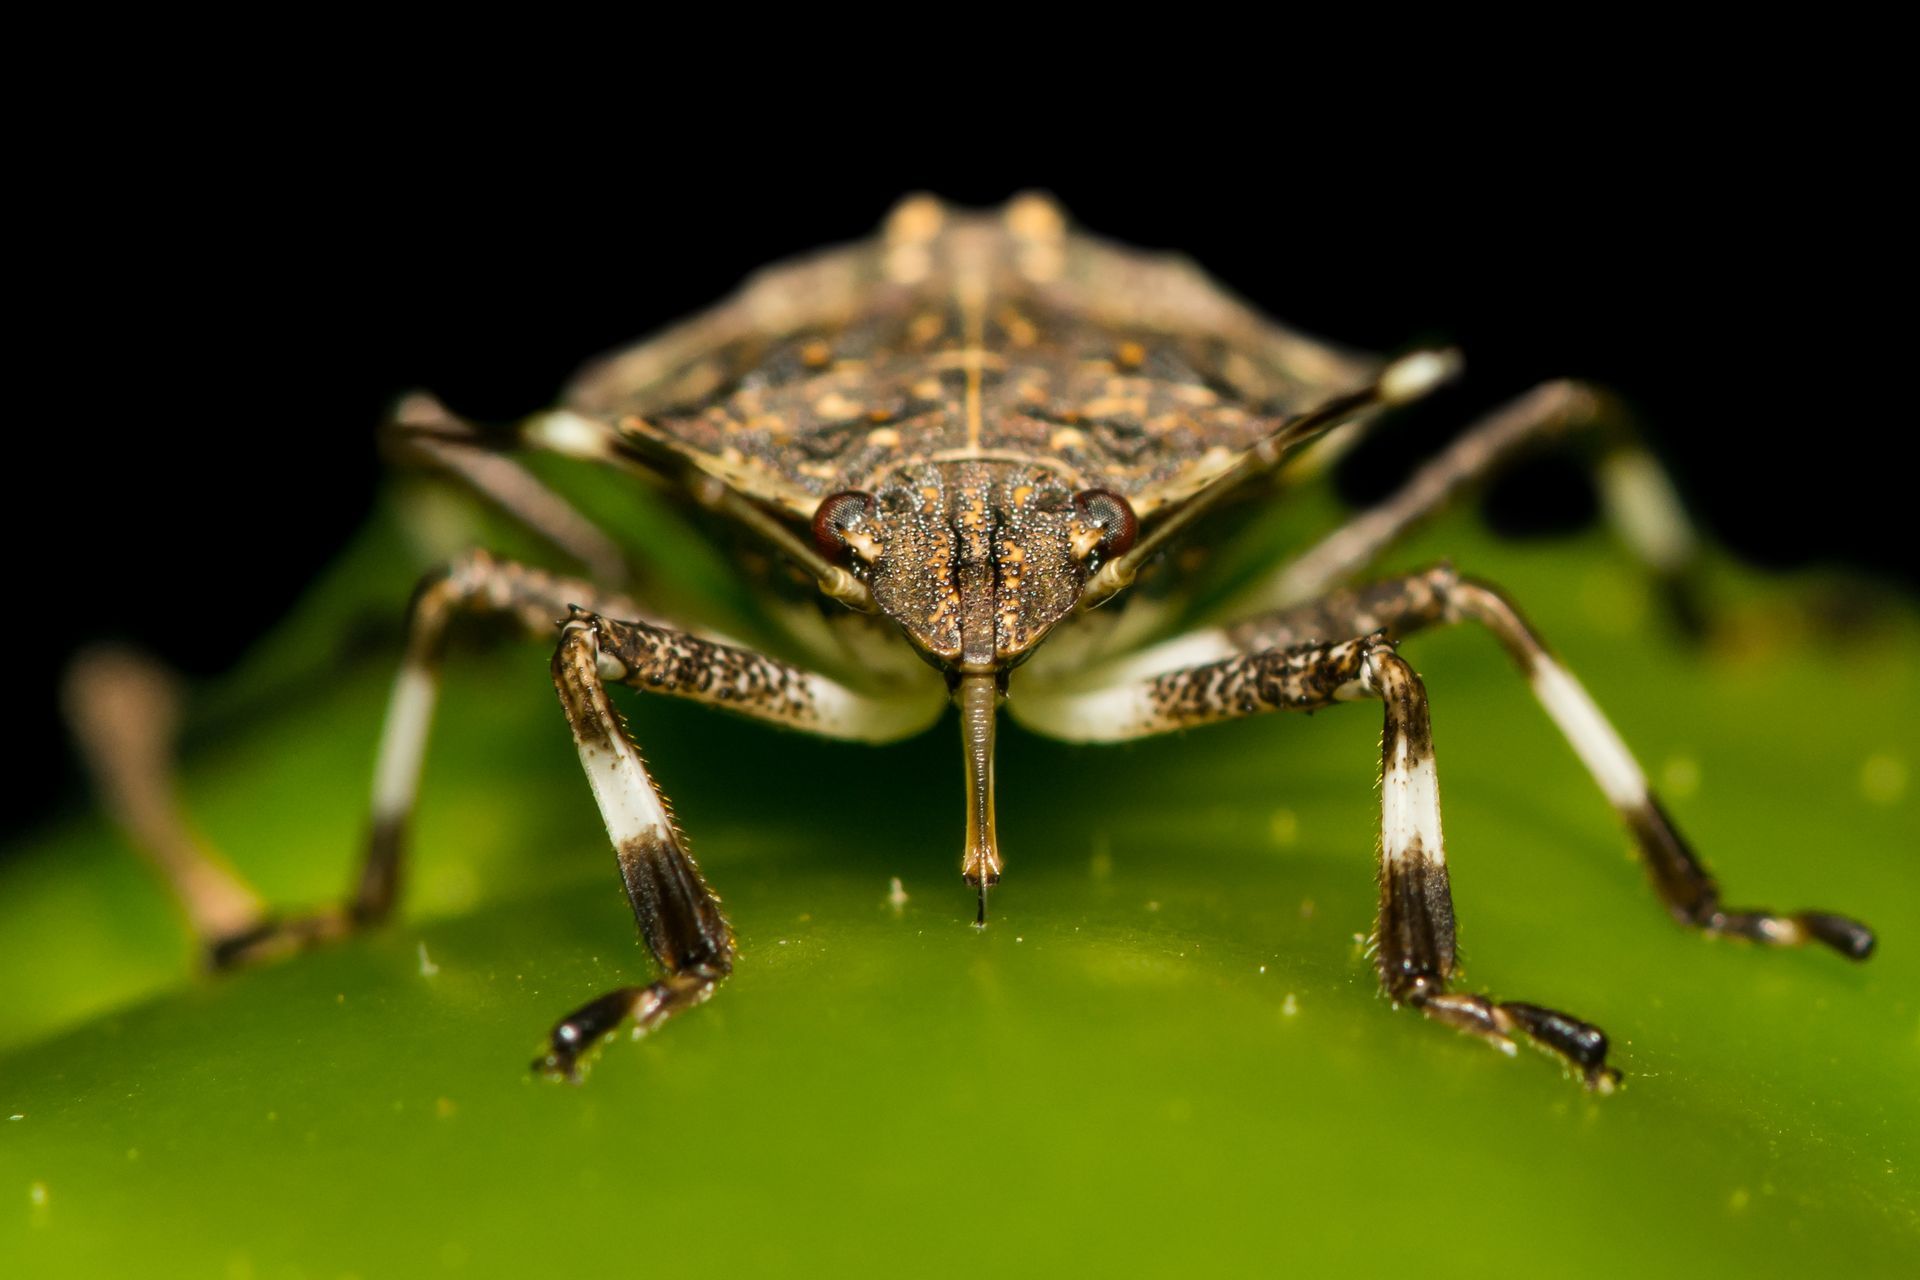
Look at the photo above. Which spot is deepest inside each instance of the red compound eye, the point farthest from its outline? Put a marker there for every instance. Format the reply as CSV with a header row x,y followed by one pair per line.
x,y
1110,513
837,513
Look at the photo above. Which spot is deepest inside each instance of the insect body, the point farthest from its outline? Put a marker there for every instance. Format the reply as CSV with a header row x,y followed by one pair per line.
x,y
973,435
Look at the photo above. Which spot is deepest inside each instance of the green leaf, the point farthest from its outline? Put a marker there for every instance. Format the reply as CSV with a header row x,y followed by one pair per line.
x,y
1165,1055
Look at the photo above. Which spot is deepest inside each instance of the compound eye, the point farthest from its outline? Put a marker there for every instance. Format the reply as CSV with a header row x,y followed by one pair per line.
x,y
1106,524
837,525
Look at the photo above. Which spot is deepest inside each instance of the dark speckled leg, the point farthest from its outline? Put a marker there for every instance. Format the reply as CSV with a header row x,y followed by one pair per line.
x,y
1283,661
678,914
1637,496
474,584
422,431
1400,607
1414,934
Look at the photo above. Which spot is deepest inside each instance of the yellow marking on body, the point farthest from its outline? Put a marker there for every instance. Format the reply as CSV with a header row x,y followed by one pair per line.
x,y
1033,216
1115,407
972,518
1021,493
1055,465
1130,355
924,328
915,220
1020,331
835,405
1067,438
816,354
883,438
970,292
966,357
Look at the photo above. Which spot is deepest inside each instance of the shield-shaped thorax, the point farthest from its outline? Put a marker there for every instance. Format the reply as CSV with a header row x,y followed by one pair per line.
x,y
956,341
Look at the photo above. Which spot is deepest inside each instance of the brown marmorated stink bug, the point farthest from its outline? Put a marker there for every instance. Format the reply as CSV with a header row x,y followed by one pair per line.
x,y
966,440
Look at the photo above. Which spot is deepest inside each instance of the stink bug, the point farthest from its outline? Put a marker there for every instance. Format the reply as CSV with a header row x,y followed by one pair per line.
x,y
973,440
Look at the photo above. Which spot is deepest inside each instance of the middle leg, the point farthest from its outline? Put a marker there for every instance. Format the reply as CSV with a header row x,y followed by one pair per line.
x,y
1415,952
1400,607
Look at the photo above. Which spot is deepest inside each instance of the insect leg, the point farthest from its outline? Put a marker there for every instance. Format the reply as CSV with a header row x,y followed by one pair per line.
x,y
474,583
678,914
1415,929
124,710
1635,491
1402,606
422,430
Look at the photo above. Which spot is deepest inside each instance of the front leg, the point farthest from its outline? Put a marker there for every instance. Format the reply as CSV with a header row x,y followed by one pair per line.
x,y
678,914
1415,953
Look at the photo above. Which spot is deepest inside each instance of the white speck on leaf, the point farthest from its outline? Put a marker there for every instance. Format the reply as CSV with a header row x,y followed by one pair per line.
x,y
427,967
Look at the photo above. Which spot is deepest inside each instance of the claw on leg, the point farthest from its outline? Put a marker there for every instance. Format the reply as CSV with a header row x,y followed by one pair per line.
x,y
1693,896
576,1035
275,938
1581,1045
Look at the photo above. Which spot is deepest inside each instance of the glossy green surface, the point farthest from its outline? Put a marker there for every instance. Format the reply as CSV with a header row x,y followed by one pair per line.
x,y
1166,1054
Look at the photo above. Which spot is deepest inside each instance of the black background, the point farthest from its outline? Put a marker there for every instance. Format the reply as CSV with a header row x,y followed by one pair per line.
x,y
228,289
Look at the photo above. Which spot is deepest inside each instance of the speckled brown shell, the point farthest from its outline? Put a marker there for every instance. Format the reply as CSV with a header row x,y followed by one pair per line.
x,y
956,335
